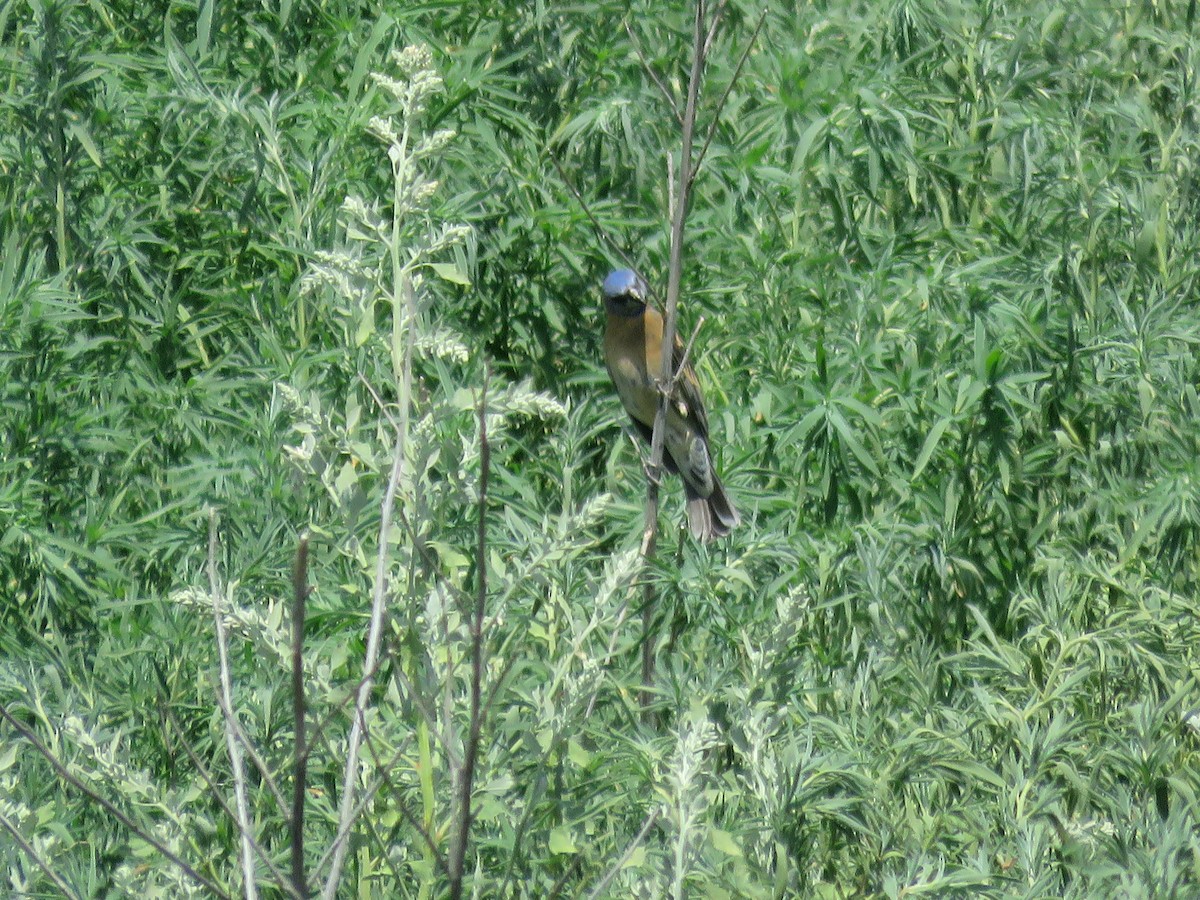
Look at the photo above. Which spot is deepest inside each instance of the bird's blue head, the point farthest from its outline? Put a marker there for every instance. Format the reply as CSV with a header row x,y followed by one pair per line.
x,y
625,292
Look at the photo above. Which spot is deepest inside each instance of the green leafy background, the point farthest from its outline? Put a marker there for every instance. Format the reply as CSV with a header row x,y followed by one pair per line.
x,y
946,259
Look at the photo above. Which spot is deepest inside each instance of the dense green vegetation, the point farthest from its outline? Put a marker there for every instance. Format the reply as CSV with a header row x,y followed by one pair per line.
x,y
946,258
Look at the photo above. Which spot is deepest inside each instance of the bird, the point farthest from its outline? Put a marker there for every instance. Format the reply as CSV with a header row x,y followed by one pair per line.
x,y
633,339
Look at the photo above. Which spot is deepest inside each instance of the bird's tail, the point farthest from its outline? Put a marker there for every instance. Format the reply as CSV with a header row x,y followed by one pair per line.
x,y
713,516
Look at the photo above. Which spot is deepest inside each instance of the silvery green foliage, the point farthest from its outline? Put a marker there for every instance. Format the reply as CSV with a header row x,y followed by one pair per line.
x,y
391,245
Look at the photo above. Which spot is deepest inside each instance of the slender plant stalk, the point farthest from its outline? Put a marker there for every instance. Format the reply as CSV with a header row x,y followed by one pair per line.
x,y
403,343
466,780
260,853
300,748
38,860
233,745
712,129
599,889
601,233
47,754
681,197
668,97
347,808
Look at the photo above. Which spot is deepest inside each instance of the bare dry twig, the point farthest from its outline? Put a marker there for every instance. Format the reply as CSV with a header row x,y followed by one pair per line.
x,y
587,211
599,889
728,88
680,201
681,176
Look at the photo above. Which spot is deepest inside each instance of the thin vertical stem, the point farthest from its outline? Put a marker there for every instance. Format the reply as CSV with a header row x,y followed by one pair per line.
x,y
300,750
347,809
680,199
236,763
471,751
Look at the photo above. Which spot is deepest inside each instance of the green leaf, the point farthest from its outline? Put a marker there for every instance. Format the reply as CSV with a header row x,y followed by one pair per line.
x,y
204,26
452,273
561,840
724,842
79,130
850,439
931,441
578,755
800,154
637,859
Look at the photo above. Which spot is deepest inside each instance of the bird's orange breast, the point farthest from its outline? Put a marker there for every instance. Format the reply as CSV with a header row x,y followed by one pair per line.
x,y
625,356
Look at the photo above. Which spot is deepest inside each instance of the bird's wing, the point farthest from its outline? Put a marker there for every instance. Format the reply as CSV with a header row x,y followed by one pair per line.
x,y
689,390
688,387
